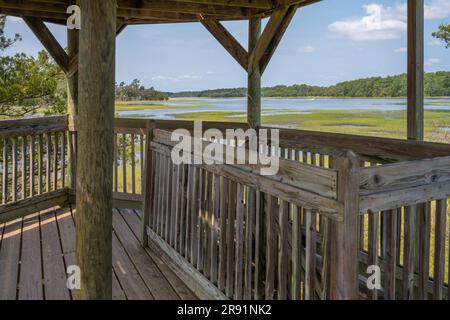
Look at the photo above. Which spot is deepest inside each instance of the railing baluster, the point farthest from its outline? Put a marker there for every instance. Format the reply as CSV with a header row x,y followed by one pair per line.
x,y
5,172
124,163
48,162
24,167
14,168
32,160
40,164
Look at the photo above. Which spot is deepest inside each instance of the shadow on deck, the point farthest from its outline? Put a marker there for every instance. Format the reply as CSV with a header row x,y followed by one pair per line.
x,y
36,250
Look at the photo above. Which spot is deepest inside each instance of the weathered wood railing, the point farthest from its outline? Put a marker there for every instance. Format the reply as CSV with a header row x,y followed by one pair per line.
x,y
34,164
232,233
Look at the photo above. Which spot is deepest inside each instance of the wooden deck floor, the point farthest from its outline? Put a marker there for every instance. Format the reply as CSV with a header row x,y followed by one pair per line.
x,y
36,250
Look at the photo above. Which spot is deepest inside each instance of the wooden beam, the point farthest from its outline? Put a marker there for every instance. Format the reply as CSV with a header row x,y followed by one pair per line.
x,y
180,7
227,40
254,77
95,148
259,4
271,36
265,59
48,41
343,242
415,69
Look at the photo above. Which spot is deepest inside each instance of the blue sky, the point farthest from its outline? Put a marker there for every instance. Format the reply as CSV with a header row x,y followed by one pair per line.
x,y
327,42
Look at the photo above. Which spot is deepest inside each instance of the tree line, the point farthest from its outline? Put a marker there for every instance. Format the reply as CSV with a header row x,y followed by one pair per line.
x,y
137,92
437,84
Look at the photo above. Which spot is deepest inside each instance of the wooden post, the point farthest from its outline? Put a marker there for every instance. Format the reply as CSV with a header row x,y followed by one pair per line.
x,y
344,234
147,190
415,120
415,69
95,148
254,77
72,104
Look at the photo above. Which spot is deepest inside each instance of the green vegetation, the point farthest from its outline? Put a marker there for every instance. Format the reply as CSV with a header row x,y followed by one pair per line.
x,y
137,92
436,85
443,34
28,84
373,123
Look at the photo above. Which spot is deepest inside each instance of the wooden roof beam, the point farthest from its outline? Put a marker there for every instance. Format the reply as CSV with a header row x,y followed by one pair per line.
x,y
279,33
270,38
49,42
227,40
258,4
182,7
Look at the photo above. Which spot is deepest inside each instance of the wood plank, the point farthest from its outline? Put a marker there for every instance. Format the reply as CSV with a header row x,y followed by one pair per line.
x,y
223,233
403,175
390,254
32,126
154,280
424,250
310,259
118,293
404,197
239,258
439,248
248,249
52,259
271,247
9,259
231,234
31,284
129,278
198,283
181,289
283,251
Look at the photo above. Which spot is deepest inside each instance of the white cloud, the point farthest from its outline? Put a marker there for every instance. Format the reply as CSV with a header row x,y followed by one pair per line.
x,y
401,50
307,49
432,61
380,23
177,78
437,9
384,22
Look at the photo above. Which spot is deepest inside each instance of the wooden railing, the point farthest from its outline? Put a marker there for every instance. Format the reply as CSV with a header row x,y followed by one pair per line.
x,y
231,233
34,164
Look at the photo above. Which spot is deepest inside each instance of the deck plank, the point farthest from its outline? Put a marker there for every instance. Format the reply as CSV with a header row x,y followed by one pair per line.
x,y
36,251
117,292
54,271
9,259
153,278
31,285
129,278
132,217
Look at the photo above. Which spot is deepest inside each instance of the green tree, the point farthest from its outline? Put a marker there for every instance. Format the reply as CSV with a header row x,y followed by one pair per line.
x,y
28,84
443,34
4,41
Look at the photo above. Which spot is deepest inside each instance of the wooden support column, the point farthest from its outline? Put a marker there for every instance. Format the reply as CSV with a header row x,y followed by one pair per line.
x,y
95,148
416,69
415,128
72,103
254,77
343,240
